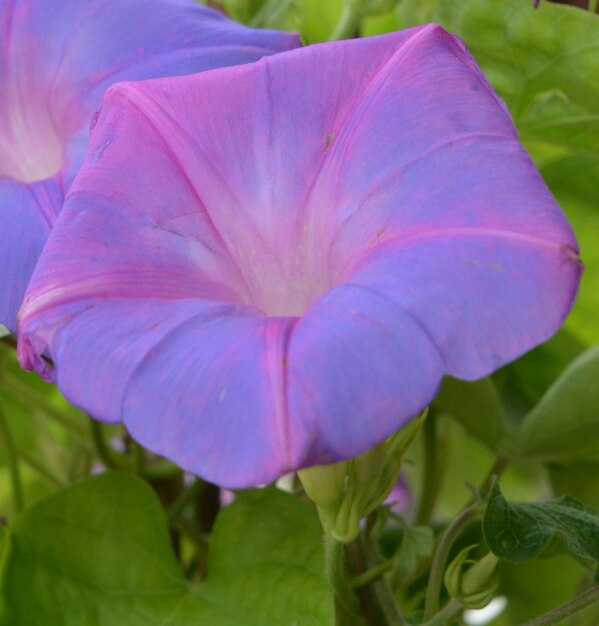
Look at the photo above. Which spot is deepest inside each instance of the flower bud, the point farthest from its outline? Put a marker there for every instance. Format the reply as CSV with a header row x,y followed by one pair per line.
x,y
475,587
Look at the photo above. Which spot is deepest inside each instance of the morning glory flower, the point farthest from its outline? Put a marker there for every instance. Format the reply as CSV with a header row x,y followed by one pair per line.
x,y
56,60
272,266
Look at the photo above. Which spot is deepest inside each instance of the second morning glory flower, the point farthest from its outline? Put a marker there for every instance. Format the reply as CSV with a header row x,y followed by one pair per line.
x,y
272,266
56,60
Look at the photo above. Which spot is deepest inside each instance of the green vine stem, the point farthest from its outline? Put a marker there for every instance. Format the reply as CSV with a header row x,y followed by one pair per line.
x,y
434,457
346,602
433,590
444,615
107,456
185,499
567,610
13,462
370,575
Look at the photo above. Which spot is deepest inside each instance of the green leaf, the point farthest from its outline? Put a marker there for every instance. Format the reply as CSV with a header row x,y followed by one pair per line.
x,y
416,544
477,407
564,425
520,531
544,63
98,554
523,383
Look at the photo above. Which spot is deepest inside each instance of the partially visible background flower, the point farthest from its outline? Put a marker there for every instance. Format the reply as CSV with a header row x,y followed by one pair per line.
x,y
56,61
260,288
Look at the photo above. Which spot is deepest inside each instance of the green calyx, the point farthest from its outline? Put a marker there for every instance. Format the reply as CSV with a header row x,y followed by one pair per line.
x,y
345,493
475,586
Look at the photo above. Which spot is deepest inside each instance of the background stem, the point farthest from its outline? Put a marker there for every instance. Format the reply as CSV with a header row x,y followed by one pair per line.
x,y
13,462
348,24
567,610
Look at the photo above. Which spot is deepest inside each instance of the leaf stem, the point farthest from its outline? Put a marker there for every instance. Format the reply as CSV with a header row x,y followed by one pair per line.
x,y
371,574
13,462
567,610
435,581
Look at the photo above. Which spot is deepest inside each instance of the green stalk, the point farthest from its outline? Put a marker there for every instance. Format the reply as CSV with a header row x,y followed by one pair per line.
x,y
379,586
567,610
13,462
444,615
593,4
435,581
371,575
434,456
346,602
185,498
107,456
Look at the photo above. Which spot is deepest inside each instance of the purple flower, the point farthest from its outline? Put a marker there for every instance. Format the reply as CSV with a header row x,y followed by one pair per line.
x,y
57,58
272,266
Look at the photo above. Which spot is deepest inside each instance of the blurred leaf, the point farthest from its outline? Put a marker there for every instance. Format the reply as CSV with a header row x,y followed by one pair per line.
x,y
416,12
564,425
380,24
278,14
319,19
477,407
544,63
540,586
523,383
574,179
99,553
579,480
522,531
240,10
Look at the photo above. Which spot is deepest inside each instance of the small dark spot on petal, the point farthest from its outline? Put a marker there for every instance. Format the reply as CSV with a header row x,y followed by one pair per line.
x,y
329,140
94,121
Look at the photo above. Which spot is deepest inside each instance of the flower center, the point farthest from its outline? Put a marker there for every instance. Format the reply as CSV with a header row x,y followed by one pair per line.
x,y
31,146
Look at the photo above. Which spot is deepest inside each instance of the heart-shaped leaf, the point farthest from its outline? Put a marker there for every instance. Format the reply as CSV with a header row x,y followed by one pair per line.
x,y
98,553
520,531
